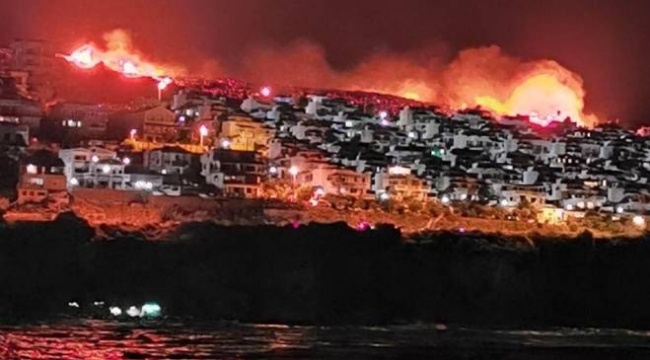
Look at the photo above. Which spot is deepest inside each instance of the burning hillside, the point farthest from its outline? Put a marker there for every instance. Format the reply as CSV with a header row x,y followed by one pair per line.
x,y
484,77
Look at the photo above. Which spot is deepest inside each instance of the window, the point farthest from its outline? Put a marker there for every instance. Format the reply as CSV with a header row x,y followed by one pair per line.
x,y
37,181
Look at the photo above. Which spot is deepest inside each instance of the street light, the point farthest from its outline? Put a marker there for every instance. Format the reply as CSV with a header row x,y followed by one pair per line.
x,y
203,131
293,170
162,84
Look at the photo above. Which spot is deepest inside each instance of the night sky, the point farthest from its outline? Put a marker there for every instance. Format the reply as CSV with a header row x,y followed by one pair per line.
x,y
606,42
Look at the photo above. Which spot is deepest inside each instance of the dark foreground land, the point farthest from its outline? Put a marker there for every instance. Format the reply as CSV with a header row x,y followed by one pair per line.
x,y
329,274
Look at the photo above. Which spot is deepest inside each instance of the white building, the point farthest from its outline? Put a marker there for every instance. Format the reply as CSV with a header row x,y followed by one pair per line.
x,y
93,167
168,160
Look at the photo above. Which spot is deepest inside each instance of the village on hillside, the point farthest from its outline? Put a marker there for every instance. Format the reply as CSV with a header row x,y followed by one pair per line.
x,y
317,149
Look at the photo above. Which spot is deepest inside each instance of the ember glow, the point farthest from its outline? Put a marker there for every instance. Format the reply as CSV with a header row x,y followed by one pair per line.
x,y
120,56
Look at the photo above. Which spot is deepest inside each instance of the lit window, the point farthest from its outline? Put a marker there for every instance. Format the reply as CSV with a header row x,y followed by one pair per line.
x,y
36,181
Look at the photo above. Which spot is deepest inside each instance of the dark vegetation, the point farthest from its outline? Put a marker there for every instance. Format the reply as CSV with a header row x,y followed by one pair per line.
x,y
328,274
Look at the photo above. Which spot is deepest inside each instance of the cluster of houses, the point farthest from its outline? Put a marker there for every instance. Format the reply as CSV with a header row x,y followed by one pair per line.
x,y
199,145
202,144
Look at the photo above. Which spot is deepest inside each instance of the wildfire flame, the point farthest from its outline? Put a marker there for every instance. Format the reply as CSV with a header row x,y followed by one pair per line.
x,y
484,77
543,98
120,56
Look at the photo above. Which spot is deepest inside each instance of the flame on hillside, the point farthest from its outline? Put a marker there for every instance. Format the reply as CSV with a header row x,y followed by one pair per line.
x,y
119,55
481,77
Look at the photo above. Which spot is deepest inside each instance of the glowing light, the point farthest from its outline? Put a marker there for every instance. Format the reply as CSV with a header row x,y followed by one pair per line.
x,y
143,185
384,196
411,95
95,158
445,200
363,226
504,202
115,311
83,57
32,169
106,169
638,221
120,56
163,83
265,91
126,161
129,69
74,182
569,207
413,135
225,144
383,114
273,170
313,202
73,304
620,210
150,310
293,170
544,98
203,130
133,311
319,192
132,133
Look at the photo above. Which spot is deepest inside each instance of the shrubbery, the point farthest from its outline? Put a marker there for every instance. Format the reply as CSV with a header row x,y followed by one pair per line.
x,y
329,274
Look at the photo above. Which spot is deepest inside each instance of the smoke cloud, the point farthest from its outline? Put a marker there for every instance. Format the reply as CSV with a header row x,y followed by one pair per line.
x,y
480,77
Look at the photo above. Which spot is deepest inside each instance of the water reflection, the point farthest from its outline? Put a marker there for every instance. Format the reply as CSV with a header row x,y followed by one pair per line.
x,y
94,339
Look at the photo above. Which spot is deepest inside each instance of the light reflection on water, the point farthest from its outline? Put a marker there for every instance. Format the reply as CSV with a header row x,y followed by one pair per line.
x,y
95,339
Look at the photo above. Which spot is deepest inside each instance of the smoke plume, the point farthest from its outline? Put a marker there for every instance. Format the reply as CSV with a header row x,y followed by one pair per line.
x,y
483,77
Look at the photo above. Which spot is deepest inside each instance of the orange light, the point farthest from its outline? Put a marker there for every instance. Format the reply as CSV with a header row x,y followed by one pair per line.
x,y
119,56
129,69
543,98
83,57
